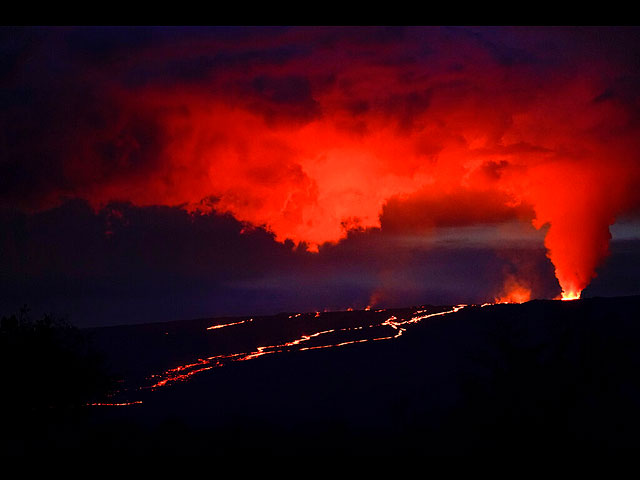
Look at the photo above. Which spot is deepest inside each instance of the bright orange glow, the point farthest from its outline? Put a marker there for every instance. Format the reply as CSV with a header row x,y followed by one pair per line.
x,y
570,295
514,292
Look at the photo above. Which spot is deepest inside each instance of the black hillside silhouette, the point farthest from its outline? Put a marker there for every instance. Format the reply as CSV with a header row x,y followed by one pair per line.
x,y
545,376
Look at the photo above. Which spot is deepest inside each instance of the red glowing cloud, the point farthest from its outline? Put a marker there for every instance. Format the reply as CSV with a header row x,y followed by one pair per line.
x,y
311,133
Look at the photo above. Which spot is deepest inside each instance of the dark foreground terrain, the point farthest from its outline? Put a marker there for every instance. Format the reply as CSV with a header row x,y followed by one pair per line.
x,y
544,376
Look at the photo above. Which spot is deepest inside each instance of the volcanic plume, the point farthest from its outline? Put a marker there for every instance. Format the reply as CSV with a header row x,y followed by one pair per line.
x,y
313,132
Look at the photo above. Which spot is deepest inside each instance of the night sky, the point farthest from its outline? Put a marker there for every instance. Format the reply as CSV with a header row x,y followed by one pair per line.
x,y
153,174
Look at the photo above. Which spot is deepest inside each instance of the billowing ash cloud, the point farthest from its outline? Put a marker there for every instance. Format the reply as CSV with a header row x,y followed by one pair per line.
x,y
312,132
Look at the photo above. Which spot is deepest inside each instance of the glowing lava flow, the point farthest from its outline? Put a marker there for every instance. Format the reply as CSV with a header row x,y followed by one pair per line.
x,y
215,327
305,342
184,372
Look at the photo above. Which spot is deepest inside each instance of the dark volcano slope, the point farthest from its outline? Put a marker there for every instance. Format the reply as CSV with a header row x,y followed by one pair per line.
x,y
545,376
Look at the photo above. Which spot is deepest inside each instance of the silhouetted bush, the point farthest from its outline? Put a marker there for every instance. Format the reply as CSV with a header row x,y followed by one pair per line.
x,y
47,364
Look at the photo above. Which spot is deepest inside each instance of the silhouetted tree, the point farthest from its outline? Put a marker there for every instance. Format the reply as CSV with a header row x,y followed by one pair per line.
x,y
47,364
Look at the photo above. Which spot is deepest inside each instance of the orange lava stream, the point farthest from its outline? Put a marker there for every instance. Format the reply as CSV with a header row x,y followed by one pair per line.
x,y
184,372
215,327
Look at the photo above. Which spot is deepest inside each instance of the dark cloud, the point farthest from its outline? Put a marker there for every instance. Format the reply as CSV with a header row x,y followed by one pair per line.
x,y
70,254
283,98
127,264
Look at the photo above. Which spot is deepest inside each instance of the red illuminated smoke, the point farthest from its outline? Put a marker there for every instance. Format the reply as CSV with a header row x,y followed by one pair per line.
x,y
318,141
